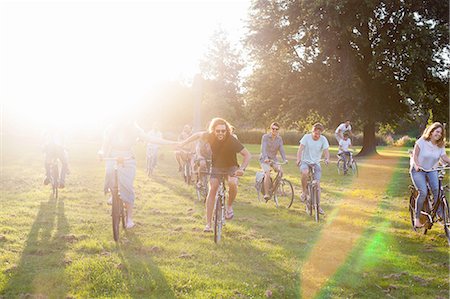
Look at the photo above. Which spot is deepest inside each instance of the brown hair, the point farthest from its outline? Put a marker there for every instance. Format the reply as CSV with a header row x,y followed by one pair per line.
x,y
318,126
430,129
274,124
219,121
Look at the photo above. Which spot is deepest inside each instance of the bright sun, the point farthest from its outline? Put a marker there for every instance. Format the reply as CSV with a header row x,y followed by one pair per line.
x,y
73,64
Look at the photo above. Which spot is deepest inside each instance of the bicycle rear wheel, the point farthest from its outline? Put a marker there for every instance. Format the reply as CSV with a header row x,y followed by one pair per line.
x,y
202,189
187,173
284,195
116,215
218,220
446,218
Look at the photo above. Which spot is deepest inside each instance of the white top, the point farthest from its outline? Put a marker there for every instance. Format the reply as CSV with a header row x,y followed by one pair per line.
x,y
344,145
313,149
429,153
343,128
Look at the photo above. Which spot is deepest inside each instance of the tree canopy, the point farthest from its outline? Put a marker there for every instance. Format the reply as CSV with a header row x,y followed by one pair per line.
x,y
371,61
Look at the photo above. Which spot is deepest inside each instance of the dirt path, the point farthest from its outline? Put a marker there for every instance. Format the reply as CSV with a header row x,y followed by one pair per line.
x,y
357,207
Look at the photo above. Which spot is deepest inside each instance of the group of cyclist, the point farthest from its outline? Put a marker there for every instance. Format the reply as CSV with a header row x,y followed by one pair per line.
x,y
220,146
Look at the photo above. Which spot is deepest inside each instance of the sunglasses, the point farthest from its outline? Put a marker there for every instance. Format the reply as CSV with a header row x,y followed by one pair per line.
x,y
275,129
220,131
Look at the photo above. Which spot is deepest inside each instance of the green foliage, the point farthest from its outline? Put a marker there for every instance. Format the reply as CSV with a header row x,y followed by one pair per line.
x,y
405,141
370,61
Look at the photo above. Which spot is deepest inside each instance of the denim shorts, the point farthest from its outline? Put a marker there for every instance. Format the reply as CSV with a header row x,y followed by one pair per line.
x,y
317,169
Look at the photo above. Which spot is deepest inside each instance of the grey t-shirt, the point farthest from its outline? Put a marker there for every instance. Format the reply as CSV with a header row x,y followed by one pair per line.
x,y
313,149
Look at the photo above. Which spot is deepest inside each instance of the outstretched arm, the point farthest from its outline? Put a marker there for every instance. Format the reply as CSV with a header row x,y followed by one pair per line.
x,y
192,138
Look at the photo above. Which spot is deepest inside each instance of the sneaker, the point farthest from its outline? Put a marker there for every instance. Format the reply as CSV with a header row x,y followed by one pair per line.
x,y
266,197
321,212
46,181
229,214
417,223
109,202
130,224
207,228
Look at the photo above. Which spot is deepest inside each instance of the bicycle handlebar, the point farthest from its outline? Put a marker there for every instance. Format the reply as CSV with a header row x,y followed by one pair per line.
x,y
439,168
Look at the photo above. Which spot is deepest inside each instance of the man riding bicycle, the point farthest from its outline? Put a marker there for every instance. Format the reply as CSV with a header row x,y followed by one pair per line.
x,y
224,148
345,127
271,143
54,149
309,153
344,150
202,156
183,156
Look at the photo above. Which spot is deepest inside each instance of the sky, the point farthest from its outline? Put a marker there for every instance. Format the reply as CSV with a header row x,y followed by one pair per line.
x,y
70,62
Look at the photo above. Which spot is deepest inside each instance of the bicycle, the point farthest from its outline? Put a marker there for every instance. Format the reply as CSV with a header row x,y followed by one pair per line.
x,y
312,201
282,190
54,177
342,167
219,207
119,211
186,167
201,181
428,213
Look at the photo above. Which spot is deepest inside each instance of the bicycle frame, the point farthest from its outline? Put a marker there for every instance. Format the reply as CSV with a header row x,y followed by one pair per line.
x,y
219,209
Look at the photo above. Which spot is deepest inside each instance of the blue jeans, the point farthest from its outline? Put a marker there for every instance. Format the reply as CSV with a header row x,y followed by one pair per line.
x,y
419,179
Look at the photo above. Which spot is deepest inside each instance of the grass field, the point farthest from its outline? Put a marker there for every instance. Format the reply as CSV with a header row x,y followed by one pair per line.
x,y
364,248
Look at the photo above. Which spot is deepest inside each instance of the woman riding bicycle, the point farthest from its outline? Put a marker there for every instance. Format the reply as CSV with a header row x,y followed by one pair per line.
x,y
118,142
271,143
427,151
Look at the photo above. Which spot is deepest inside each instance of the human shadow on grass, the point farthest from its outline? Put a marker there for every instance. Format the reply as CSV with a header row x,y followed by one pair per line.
x,y
40,270
143,275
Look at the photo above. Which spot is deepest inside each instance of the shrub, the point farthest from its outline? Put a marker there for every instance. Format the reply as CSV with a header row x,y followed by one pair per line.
x,y
405,141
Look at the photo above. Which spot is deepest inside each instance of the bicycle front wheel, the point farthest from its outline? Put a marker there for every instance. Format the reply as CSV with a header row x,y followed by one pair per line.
x,y
315,203
412,207
309,200
55,181
446,218
284,195
218,221
116,203
354,167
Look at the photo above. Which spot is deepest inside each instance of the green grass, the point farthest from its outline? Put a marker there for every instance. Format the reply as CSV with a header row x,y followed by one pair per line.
x,y
64,248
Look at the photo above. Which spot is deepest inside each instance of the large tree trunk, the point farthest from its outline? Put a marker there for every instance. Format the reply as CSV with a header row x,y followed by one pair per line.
x,y
369,141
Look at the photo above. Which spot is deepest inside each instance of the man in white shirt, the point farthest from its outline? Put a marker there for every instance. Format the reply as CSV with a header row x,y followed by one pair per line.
x,y
341,129
344,150
309,153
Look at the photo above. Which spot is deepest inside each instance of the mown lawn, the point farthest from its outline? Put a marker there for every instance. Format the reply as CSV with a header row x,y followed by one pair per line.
x,y
364,248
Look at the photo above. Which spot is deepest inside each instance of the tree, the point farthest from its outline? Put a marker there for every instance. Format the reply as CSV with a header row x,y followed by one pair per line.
x,y
371,61
220,69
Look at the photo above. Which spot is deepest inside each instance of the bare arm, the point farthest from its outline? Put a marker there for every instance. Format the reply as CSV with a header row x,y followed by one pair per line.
x,y
246,154
327,155
299,153
192,138
416,153
445,158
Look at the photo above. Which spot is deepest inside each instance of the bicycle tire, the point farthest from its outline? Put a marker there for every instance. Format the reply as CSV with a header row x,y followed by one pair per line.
x,y
218,221
446,218
354,167
308,202
202,191
284,194
116,202
316,204
123,215
340,166
412,207
260,189
187,173
55,181
149,167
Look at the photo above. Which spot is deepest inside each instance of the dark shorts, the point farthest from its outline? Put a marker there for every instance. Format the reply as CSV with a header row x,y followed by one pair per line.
x,y
218,172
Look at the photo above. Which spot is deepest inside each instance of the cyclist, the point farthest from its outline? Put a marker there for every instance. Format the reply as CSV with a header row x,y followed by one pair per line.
x,y
341,129
152,148
309,153
224,148
271,143
344,150
202,155
54,149
428,150
118,142
182,156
